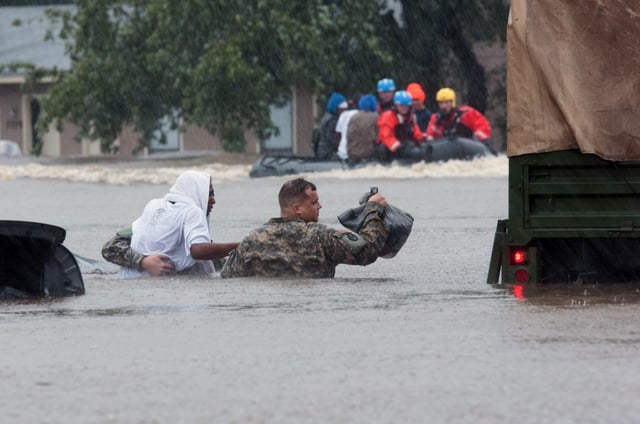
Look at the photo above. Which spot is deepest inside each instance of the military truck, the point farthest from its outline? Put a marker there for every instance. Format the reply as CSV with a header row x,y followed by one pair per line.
x,y
573,143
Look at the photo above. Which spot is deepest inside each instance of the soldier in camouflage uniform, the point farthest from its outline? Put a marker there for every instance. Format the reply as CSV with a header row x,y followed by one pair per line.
x,y
297,245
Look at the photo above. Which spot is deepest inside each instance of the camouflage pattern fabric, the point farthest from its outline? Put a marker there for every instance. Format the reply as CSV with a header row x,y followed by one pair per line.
x,y
118,251
292,247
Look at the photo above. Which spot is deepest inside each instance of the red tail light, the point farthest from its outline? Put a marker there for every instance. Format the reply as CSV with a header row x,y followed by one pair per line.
x,y
521,276
519,256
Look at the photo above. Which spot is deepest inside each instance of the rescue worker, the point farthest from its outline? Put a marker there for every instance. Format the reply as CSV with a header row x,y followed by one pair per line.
x,y
420,110
295,244
386,87
398,133
463,121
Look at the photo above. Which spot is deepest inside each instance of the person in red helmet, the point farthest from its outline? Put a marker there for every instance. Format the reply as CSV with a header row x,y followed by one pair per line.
x,y
421,112
462,121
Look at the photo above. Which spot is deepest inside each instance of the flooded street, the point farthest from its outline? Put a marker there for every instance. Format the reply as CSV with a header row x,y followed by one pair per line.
x,y
417,338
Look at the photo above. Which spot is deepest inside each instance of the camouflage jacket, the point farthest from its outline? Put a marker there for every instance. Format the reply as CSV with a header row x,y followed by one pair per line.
x,y
118,250
293,247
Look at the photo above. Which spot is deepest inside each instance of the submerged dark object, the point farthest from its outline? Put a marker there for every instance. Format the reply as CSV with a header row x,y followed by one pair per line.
x,y
34,263
439,150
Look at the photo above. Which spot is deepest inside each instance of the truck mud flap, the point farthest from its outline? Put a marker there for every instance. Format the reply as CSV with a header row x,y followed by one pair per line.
x,y
497,251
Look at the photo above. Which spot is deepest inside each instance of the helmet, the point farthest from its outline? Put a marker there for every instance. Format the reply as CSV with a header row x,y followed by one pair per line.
x,y
368,102
402,98
386,84
416,92
445,94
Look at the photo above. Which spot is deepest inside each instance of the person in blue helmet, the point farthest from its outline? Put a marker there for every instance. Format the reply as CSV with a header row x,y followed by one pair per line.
x,y
325,138
386,87
398,133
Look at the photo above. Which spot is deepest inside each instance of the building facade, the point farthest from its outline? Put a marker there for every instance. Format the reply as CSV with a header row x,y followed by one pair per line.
x,y
22,39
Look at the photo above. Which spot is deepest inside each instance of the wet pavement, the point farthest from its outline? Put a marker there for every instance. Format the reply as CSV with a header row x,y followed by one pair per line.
x,y
417,338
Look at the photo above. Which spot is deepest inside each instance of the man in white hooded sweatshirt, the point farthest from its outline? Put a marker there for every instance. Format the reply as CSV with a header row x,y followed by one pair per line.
x,y
175,229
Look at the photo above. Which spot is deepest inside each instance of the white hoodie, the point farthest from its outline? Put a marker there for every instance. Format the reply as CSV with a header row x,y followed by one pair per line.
x,y
170,225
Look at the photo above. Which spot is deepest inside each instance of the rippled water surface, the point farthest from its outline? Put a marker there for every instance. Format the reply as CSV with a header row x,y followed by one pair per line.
x,y
417,338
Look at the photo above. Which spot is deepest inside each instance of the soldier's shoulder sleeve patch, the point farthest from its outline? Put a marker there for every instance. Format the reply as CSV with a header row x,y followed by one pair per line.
x,y
352,241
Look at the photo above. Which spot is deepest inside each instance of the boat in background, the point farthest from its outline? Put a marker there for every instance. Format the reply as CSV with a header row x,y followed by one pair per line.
x,y
438,150
34,263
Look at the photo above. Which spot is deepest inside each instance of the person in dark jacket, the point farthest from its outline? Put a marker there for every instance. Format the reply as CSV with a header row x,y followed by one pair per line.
x,y
325,138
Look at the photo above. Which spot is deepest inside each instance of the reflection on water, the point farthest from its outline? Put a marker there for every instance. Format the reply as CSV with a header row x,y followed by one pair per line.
x,y
573,295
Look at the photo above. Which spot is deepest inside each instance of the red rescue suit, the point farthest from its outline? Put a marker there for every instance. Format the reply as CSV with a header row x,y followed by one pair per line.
x,y
394,128
464,121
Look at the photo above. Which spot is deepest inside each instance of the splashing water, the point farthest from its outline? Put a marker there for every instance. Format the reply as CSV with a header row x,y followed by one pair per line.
x,y
127,173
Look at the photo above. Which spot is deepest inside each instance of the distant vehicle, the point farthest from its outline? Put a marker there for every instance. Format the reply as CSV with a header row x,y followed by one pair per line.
x,y
34,263
9,148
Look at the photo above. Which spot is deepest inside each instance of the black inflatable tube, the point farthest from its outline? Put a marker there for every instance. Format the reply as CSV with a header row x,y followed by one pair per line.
x,y
438,150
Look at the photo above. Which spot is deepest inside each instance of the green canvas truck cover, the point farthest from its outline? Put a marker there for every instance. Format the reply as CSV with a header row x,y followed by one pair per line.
x,y
573,77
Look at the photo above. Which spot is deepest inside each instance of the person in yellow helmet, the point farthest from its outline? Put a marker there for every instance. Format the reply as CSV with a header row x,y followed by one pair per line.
x,y
462,121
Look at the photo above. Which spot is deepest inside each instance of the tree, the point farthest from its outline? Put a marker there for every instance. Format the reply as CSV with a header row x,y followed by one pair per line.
x,y
433,42
221,64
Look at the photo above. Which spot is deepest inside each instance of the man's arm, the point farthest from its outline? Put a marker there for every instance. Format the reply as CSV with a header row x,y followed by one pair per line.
x,y
204,251
433,130
477,122
234,266
118,251
387,122
365,247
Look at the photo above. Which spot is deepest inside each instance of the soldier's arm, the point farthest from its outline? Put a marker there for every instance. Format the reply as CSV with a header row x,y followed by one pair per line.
x,y
118,251
362,248
234,266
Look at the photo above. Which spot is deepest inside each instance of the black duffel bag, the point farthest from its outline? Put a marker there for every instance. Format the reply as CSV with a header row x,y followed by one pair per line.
x,y
398,221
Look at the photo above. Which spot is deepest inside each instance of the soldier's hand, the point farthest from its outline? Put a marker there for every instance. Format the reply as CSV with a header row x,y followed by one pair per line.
x,y
379,198
157,265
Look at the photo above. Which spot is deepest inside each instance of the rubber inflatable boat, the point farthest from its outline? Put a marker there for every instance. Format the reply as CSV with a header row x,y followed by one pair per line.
x,y
439,150
34,263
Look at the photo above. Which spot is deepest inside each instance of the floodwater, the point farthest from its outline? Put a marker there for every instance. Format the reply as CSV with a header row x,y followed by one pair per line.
x,y
420,338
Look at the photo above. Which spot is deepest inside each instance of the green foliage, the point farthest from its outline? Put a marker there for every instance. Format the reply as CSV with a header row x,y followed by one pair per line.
x,y
33,2
434,39
220,64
